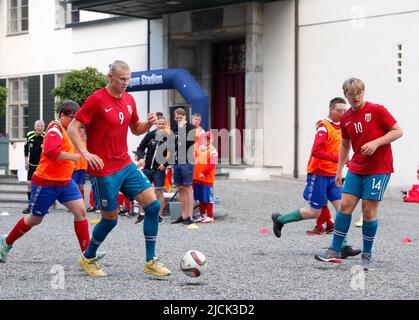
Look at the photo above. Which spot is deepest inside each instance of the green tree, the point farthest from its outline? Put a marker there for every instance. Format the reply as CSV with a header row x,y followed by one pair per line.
x,y
3,96
77,85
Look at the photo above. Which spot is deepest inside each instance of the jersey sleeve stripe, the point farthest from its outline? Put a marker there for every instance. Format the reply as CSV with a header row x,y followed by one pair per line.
x,y
56,130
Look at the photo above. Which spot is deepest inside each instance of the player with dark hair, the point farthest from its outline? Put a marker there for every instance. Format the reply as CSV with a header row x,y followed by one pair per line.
x,y
52,181
321,171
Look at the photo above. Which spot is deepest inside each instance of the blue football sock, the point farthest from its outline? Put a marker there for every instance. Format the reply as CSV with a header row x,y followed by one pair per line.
x,y
151,228
342,224
369,229
99,234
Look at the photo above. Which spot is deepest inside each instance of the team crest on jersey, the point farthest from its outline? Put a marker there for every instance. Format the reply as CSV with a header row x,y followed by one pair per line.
x,y
129,108
368,117
104,203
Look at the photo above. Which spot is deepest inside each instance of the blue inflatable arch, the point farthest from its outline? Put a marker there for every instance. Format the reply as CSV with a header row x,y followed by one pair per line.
x,y
175,78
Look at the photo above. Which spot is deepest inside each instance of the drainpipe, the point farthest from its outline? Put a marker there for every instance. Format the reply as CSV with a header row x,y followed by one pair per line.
x,y
296,92
148,62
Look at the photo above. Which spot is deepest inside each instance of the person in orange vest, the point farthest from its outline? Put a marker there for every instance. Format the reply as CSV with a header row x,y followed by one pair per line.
x,y
204,176
324,217
79,174
321,172
52,181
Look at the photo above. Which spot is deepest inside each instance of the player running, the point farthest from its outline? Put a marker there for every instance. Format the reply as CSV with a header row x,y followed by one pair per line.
x,y
321,171
52,181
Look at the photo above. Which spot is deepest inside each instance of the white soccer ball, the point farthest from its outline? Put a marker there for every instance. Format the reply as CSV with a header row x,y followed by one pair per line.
x,y
193,263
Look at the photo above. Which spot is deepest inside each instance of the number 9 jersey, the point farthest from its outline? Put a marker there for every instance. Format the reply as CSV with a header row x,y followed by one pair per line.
x,y
107,120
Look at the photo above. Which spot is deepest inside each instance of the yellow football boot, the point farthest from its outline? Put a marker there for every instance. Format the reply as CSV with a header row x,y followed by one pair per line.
x,y
91,266
156,268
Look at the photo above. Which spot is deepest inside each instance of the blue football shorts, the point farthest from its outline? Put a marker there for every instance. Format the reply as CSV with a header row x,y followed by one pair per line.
x,y
79,176
203,193
319,189
42,198
130,181
368,187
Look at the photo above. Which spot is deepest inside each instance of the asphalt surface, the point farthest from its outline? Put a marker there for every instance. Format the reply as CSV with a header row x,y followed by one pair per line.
x,y
244,262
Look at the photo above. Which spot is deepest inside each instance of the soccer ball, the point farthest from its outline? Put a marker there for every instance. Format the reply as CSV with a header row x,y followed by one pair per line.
x,y
193,263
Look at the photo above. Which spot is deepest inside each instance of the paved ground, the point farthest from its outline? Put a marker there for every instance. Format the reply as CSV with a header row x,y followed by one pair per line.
x,y
242,263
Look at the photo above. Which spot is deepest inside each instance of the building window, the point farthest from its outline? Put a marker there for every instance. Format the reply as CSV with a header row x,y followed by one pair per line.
x,y
18,108
18,16
75,15
62,13
59,77
65,14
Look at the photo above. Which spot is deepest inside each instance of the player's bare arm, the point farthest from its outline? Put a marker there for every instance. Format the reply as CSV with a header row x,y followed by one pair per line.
x,y
73,132
343,158
140,128
393,134
68,156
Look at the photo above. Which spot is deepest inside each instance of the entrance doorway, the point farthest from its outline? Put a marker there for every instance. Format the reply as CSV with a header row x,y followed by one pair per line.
x,y
229,60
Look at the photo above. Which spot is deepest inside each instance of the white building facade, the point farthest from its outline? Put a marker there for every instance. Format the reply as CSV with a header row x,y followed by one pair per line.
x,y
289,64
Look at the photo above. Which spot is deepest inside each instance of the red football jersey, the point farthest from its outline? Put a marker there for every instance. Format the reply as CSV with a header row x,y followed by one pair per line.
x,y
107,120
367,124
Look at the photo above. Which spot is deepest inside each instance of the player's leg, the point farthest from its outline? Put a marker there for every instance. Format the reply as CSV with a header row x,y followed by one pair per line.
x,y
105,191
189,204
345,250
315,194
208,200
151,206
326,218
81,181
187,181
198,196
162,201
369,230
351,194
178,182
42,198
31,171
320,221
374,187
70,197
159,177
137,186
334,195
182,194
